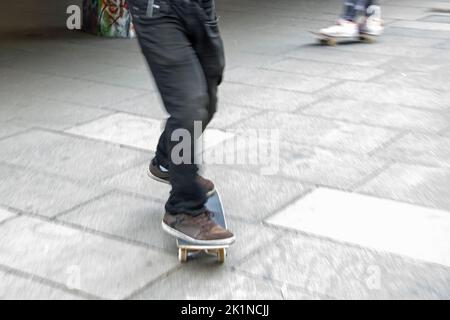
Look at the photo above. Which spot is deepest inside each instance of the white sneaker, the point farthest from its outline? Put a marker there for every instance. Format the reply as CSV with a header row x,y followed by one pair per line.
x,y
373,24
343,29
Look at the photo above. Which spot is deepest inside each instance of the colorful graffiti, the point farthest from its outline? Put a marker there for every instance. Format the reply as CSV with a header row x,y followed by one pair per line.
x,y
109,18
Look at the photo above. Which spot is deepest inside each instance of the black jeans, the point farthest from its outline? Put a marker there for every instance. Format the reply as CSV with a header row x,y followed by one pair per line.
x,y
181,42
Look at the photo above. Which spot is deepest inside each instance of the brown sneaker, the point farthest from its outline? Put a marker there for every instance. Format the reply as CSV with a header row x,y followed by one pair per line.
x,y
161,174
200,229
158,172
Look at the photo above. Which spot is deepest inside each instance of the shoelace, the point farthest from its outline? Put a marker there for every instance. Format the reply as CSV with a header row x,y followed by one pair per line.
x,y
206,220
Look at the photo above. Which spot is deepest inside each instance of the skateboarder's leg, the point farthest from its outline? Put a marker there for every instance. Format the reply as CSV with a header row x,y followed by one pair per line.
x,y
166,42
372,23
181,83
208,46
367,13
209,49
202,29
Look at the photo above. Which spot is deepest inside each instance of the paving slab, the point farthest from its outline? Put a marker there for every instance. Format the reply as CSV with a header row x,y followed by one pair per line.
x,y
330,55
122,129
390,49
135,131
409,230
365,118
79,260
10,128
228,115
15,79
310,165
269,43
264,98
251,237
427,64
136,181
324,69
71,66
123,76
9,54
402,12
441,18
67,156
417,33
125,216
5,214
75,47
431,5
264,194
422,25
137,219
406,96
440,54
380,114
7,112
69,90
275,79
345,272
427,186
37,193
394,40
148,105
16,287
317,131
236,58
186,284
56,115
419,148
435,80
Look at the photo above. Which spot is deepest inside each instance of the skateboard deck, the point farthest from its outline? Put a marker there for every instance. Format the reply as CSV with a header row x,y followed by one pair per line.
x,y
188,249
332,41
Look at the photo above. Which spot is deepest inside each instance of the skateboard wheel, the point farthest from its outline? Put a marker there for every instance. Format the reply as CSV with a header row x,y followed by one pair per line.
x,y
331,42
182,255
328,41
221,254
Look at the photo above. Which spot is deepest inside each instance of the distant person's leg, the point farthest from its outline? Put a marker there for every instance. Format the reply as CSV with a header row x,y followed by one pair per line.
x,y
372,24
358,17
347,25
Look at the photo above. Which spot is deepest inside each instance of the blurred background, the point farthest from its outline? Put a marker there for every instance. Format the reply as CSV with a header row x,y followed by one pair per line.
x,y
358,203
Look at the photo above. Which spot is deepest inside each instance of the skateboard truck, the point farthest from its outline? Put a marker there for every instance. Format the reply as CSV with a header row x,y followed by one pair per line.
x,y
184,253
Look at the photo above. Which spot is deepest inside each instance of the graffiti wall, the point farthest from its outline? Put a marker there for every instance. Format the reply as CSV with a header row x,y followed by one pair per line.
x,y
109,18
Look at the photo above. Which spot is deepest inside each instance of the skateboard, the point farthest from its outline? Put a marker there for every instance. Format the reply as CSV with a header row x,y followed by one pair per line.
x,y
187,250
332,41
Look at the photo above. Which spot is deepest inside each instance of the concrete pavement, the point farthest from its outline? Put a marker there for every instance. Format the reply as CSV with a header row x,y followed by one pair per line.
x,y
354,126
